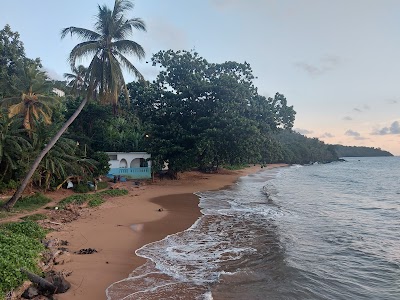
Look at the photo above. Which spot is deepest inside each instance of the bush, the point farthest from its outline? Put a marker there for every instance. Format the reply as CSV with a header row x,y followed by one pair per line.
x,y
102,185
81,188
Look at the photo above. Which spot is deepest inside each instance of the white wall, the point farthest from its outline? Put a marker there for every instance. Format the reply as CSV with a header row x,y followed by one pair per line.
x,y
129,157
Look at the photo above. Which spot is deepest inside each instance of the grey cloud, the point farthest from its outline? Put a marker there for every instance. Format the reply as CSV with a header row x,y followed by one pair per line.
x,y
394,128
352,133
347,118
356,135
324,65
357,109
327,135
52,74
303,131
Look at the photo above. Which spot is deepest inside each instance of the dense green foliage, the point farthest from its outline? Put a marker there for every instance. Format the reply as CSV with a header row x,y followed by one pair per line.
x,y
19,248
31,114
357,151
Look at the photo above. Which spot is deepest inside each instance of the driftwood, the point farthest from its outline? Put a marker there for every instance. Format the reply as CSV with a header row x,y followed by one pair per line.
x,y
43,284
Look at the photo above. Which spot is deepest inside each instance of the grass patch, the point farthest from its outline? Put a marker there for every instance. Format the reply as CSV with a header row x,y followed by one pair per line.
x,y
34,217
93,200
31,202
75,199
96,202
20,247
114,193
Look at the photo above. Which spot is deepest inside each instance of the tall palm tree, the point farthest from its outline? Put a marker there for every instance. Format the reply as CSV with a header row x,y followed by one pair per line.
x,y
33,101
107,46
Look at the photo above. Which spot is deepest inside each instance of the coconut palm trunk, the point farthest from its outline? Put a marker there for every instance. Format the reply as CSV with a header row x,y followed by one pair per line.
x,y
10,203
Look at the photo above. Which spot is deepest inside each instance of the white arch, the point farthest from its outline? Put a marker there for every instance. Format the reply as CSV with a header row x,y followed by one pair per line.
x,y
123,163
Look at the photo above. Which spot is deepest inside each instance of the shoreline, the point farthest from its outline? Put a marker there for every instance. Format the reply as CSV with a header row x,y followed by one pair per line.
x,y
122,225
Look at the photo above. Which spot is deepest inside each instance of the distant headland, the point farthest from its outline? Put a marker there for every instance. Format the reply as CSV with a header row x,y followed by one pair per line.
x,y
358,151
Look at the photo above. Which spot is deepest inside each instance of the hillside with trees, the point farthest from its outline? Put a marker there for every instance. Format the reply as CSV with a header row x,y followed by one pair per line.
x,y
357,151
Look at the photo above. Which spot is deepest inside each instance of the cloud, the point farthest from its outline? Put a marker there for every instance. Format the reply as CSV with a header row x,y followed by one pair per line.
x,y
303,131
52,74
352,133
361,109
394,128
347,118
356,135
325,64
327,135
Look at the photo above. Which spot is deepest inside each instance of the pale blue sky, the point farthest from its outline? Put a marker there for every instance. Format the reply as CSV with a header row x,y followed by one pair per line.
x,y
337,62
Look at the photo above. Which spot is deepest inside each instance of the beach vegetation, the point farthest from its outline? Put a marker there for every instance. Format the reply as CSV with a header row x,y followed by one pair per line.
x,y
114,193
20,247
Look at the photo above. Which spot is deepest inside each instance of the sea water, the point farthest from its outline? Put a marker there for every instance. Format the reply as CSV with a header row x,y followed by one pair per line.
x,y
328,231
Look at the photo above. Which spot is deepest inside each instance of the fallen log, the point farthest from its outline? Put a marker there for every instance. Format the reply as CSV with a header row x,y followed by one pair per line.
x,y
42,283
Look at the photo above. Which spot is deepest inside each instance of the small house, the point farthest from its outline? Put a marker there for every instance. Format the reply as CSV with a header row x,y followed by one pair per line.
x,y
135,165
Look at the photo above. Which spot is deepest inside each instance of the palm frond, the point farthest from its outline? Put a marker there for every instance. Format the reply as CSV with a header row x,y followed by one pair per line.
x,y
130,67
82,33
129,47
82,50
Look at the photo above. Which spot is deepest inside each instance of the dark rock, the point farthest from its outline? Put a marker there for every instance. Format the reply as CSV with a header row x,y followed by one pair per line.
x,y
30,293
59,282
86,251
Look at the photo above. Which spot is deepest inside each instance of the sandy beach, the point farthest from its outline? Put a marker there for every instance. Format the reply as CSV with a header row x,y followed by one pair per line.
x,y
117,228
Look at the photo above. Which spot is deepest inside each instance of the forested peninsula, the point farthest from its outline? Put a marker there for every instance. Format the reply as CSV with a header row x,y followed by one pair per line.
x,y
357,151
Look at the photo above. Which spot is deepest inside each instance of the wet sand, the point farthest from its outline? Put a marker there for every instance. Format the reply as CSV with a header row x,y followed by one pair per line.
x,y
123,224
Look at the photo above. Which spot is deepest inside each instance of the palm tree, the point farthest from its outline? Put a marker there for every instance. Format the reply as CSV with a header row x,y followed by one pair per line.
x,y
77,80
104,72
108,47
32,103
12,144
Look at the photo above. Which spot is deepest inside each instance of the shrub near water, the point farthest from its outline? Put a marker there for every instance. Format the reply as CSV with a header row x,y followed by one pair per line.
x,y
20,247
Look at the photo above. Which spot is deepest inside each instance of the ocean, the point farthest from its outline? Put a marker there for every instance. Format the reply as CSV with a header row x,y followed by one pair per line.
x,y
325,231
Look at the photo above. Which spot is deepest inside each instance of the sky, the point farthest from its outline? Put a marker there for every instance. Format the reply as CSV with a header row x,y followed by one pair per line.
x,y
337,62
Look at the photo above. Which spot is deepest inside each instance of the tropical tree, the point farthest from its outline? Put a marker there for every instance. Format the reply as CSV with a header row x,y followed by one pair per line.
x,y
12,57
107,46
77,80
12,145
33,100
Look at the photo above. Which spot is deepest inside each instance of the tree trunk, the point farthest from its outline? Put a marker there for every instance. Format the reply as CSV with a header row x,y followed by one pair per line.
x,y
41,282
10,203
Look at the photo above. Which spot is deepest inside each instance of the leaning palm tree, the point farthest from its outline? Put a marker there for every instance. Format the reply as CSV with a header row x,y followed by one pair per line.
x,y
107,45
